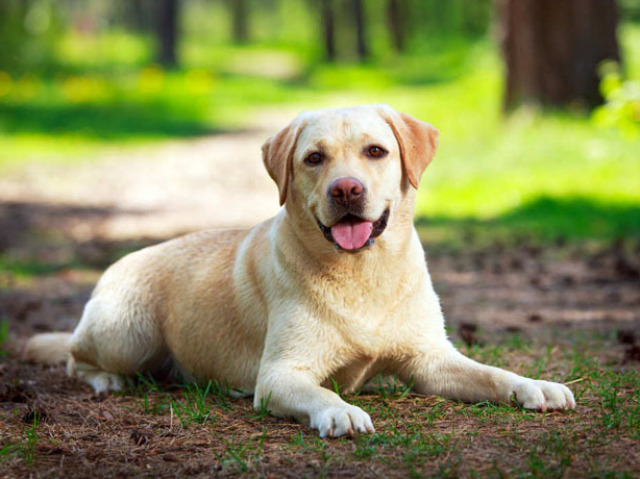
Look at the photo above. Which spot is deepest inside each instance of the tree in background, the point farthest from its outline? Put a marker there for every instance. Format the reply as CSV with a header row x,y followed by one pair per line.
x,y
28,32
552,49
328,29
339,30
396,19
362,47
168,13
240,16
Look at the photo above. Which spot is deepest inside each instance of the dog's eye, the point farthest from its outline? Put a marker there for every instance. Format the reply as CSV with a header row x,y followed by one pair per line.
x,y
376,152
314,159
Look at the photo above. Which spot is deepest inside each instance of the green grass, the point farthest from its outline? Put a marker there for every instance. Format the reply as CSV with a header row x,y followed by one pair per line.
x,y
240,455
25,448
545,218
4,335
194,404
62,119
26,268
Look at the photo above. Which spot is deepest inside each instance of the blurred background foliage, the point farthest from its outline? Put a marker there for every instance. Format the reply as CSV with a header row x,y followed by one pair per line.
x,y
78,77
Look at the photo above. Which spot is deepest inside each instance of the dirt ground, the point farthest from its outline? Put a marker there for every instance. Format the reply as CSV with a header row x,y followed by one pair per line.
x,y
60,226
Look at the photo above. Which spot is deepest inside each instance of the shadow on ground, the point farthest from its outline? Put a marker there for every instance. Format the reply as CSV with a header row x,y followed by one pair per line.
x,y
114,121
41,238
547,219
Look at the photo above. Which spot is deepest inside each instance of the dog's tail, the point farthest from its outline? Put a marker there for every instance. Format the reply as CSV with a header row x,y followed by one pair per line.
x,y
48,348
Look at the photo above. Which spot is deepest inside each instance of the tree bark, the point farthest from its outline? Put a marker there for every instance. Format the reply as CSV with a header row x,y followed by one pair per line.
x,y
552,49
396,15
240,13
328,27
361,34
167,31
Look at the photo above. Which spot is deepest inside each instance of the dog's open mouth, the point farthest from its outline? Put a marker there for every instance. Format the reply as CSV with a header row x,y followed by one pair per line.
x,y
353,233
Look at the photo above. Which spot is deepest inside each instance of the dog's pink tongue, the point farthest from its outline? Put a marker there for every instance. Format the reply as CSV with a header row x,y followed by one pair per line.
x,y
352,234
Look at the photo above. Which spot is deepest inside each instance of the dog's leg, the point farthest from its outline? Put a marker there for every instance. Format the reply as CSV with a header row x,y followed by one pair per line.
x,y
289,390
445,372
101,381
292,368
114,338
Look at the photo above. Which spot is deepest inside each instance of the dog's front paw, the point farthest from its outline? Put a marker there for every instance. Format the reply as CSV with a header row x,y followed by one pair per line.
x,y
340,420
542,395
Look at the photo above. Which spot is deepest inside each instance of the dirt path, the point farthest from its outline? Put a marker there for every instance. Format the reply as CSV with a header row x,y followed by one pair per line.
x,y
162,190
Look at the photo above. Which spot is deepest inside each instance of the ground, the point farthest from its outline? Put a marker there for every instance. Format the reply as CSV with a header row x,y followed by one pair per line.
x,y
566,312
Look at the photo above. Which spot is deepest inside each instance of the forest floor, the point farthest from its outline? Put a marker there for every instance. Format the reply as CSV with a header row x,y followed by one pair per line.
x,y
566,312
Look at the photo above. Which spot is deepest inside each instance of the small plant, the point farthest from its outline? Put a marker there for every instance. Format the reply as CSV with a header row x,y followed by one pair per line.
x,y
364,447
26,448
416,445
335,386
493,355
389,387
611,412
4,335
30,443
516,342
622,101
8,451
551,455
242,455
145,387
313,443
220,394
264,410
195,408
433,413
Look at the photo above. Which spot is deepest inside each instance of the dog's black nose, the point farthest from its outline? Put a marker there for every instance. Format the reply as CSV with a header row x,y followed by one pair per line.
x,y
346,191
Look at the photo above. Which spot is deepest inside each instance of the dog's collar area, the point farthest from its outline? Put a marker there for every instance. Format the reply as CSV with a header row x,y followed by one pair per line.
x,y
377,227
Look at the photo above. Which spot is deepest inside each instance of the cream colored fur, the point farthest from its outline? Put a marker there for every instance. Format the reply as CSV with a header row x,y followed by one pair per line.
x,y
48,348
277,311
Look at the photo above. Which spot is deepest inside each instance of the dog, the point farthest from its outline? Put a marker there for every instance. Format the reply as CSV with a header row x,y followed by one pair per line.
x,y
333,290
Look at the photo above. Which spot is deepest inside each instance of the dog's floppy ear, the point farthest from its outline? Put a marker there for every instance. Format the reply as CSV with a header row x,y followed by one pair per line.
x,y
277,155
417,139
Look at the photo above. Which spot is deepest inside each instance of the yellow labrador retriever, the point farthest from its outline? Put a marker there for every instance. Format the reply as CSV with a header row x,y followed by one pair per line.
x,y
334,287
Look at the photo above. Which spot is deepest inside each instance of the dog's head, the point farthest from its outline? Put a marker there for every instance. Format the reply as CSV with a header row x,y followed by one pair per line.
x,y
349,171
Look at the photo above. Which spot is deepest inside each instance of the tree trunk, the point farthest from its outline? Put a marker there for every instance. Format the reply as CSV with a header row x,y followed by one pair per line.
x,y
167,31
396,15
361,34
552,49
240,14
328,26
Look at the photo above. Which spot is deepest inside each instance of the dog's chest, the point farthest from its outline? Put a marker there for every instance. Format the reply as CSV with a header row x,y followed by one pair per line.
x,y
366,311
360,291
